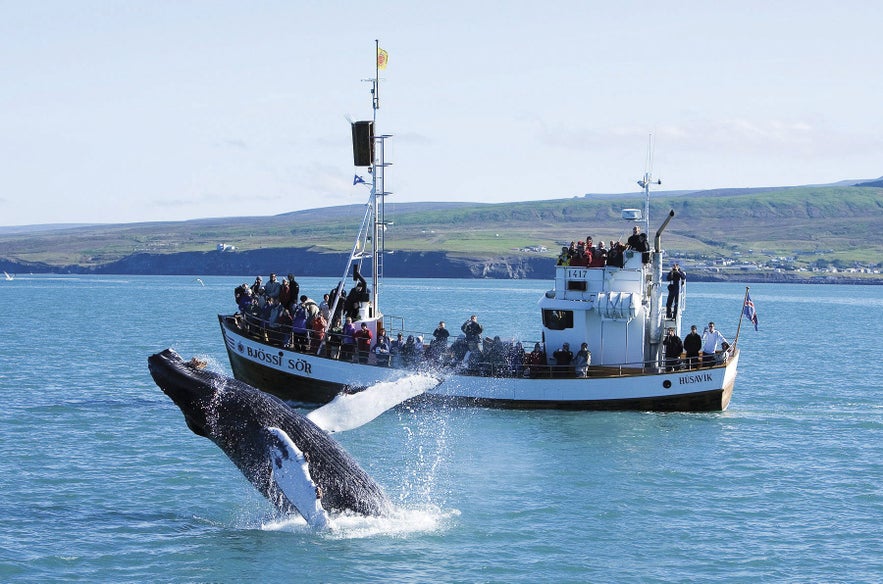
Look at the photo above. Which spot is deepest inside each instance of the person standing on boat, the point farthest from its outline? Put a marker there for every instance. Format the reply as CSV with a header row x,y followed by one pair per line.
x,y
563,358
257,289
675,277
294,290
395,351
473,331
673,349
582,360
325,307
439,341
348,340
285,294
334,338
382,348
692,346
363,342
273,287
711,337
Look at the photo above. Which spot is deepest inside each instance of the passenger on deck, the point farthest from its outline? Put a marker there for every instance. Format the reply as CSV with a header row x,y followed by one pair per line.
x,y
615,256
409,352
299,330
692,346
325,307
257,289
473,331
710,339
285,293
294,290
673,349
243,298
439,342
310,306
675,276
395,351
317,333
348,341
334,339
582,360
564,257
363,338
599,255
516,359
563,359
634,240
284,321
273,287
535,362
382,348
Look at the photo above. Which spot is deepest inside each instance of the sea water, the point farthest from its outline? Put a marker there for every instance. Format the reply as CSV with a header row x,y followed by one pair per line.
x,y
101,480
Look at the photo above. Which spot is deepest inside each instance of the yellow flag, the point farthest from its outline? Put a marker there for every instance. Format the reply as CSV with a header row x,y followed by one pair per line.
x,y
382,58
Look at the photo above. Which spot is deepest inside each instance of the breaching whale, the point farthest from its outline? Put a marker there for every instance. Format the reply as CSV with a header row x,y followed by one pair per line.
x,y
288,458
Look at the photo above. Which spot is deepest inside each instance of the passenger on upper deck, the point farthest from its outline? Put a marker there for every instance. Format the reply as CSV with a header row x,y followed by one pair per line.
x,y
675,276
615,256
564,257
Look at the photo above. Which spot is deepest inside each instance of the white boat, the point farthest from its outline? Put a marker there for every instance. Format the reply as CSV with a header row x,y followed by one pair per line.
x,y
8,277
617,310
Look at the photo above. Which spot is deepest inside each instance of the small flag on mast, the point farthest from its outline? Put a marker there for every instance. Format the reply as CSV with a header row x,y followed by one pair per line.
x,y
357,179
382,58
749,311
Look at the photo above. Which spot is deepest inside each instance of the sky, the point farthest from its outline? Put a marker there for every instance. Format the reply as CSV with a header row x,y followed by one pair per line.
x,y
123,111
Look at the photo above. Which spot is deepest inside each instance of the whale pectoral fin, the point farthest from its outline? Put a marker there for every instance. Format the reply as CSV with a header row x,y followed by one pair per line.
x,y
291,473
348,411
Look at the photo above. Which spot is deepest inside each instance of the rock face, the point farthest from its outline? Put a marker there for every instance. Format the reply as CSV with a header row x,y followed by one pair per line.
x,y
307,263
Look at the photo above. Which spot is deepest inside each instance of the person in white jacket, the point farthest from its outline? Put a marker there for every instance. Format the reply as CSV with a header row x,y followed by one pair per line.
x,y
711,338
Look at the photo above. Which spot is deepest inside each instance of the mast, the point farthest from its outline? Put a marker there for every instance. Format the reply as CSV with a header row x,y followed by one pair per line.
x,y
645,183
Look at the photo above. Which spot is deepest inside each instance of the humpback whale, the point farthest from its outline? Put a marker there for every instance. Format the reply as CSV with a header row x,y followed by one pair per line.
x,y
293,462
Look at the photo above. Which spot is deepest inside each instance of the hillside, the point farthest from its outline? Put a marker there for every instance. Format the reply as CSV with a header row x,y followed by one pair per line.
x,y
792,227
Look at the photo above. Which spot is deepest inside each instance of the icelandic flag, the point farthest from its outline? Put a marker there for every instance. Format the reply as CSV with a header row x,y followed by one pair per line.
x,y
357,179
749,311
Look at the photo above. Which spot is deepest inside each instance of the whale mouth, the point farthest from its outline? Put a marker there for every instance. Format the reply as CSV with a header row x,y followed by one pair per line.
x,y
176,379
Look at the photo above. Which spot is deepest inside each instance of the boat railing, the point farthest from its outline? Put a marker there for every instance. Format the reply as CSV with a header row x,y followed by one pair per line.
x,y
497,364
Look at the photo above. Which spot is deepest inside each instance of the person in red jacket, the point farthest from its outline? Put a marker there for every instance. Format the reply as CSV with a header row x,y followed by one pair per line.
x,y
363,342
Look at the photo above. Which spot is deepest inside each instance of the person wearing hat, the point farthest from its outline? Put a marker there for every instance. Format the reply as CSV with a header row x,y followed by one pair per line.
x,y
257,288
673,349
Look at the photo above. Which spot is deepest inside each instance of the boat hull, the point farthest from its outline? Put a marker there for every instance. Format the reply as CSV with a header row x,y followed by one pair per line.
x,y
312,379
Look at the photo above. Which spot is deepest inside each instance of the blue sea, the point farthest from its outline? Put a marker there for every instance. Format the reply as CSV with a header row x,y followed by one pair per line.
x,y
101,480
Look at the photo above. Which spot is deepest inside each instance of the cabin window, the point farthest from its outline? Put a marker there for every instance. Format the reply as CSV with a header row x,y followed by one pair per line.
x,y
578,285
558,320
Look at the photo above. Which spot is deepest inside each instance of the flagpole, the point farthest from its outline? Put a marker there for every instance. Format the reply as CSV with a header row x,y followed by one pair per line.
x,y
741,314
376,78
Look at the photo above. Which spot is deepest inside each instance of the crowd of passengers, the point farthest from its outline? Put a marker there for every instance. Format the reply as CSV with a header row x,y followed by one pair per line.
x,y
278,314
589,254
